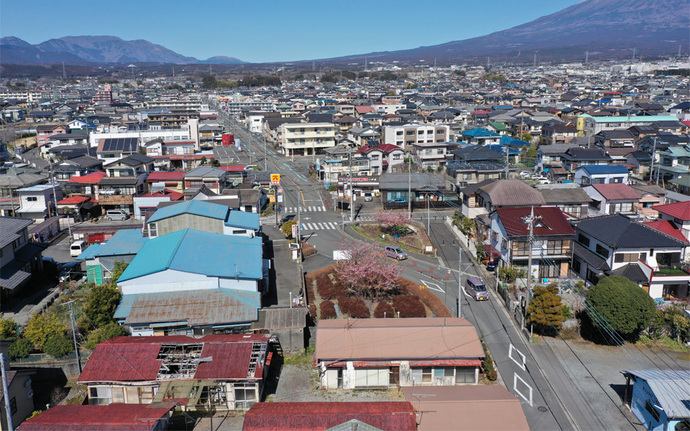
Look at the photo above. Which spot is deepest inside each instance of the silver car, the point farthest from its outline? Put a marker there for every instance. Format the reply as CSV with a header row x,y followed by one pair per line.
x,y
395,252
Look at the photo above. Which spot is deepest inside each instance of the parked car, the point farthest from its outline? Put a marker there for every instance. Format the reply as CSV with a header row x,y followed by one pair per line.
x,y
368,197
476,289
397,200
395,252
116,215
77,248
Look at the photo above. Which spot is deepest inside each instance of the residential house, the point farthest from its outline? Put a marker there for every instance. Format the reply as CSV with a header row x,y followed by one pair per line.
x,y
508,193
129,166
430,155
299,416
85,185
100,259
382,353
617,245
112,149
577,156
363,135
549,156
550,247
568,197
173,180
19,258
427,190
77,166
601,174
473,164
480,136
383,157
119,192
146,204
406,134
203,215
615,139
131,417
471,206
20,392
613,198
38,202
215,179
44,132
226,372
678,214
558,134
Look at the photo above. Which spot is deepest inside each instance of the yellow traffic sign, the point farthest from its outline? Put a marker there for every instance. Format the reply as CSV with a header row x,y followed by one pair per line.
x,y
272,198
275,179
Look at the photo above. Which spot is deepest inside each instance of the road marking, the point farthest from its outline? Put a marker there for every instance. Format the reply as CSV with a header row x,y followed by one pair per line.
x,y
528,397
519,362
433,286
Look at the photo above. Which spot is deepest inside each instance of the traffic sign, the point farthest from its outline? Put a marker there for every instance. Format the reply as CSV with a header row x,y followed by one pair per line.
x,y
275,179
271,198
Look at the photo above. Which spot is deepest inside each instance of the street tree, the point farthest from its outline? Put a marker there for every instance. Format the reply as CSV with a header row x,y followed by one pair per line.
x,y
393,222
41,326
367,273
545,310
621,304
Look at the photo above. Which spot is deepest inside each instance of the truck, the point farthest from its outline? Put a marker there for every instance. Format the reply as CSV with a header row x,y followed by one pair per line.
x,y
228,139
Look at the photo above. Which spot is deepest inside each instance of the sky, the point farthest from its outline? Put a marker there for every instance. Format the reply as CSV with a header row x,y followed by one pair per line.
x,y
271,30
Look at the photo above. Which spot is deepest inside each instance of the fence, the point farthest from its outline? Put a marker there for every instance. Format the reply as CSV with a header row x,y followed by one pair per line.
x,y
461,236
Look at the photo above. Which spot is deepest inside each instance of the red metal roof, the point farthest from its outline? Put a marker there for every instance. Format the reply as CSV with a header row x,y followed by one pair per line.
x,y
113,417
680,210
134,358
73,200
238,168
551,221
174,196
616,192
666,227
165,176
92,178
308,416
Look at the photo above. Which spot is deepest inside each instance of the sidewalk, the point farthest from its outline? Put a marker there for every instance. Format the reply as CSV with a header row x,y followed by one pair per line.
x,y
285,274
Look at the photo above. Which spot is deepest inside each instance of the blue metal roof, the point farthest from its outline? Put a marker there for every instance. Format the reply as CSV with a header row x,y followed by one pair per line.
x,y
500,148
188,250
200,208
507,140
91,252
479,132
605,169
125,241
242,219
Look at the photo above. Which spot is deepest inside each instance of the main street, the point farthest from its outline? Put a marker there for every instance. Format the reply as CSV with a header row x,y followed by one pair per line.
x,y
543,399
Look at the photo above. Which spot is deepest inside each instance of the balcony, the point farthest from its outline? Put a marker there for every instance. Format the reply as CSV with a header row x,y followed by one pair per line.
x,y
104,199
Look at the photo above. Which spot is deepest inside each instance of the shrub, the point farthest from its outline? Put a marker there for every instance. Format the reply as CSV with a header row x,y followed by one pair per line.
x,y
355,307
409,306
324,286
433,302
488,365
20,348
312,311
287,228
101,303
545,310
41,326
510,274
328,310
384,309
9,329
106,332
58,345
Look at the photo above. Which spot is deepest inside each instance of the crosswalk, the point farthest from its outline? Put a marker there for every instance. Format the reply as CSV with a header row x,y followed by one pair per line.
x,y
304,209
313,226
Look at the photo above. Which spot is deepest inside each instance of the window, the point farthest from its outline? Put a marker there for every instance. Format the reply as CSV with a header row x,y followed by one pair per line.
x,y
439,151
118,394
245,396
420,132
558,247
31,198
371,377
153,230
583,240
13,405
626,257
99,396
399,133
602,251
464,375
146,394
504,244
494,236
521,248
397,156
426,375
652,411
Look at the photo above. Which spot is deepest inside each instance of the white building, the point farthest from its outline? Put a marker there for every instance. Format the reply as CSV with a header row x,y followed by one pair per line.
x,y
306,139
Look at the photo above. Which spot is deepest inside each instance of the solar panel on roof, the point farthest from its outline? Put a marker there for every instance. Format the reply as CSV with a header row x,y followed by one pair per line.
x,y
120,144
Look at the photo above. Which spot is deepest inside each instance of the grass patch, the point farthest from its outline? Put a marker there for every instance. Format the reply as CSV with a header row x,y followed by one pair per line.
x,y
664,343
300,359
380,240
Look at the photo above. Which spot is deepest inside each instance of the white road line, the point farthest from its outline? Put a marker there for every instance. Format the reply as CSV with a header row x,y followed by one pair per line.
x,y
433,286
321,226
333,225
307,226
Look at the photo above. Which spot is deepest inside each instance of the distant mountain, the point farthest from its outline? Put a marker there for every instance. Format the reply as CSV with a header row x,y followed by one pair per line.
x,y
16,51
221,59
95,49
605,28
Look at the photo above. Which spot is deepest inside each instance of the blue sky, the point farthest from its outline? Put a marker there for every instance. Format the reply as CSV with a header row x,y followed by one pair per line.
x,y
271,30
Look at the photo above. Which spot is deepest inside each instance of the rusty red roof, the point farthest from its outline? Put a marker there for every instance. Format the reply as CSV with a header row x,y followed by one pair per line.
x,y
616,192
113,417
550,221
73,200
680,210
174,196
131,359
165,176
92,178
238,168
313,416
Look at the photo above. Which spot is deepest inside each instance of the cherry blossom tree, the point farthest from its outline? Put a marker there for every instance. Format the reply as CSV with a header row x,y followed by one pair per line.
x,y
367,272
393,222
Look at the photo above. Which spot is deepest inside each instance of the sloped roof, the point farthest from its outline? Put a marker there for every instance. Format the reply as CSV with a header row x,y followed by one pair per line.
x,y
605,169
393,339
479,132
615,192
550,221
670,387
73,200
632,272
618,231
124,242
165,176
135,359
242,219
666,227
476,152
195,207
563,193
512,193
318,416
196,307
9,228
197,252
92,178
679,210
111,417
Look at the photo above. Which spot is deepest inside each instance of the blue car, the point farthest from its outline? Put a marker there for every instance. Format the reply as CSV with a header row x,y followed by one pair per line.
x,y
397,200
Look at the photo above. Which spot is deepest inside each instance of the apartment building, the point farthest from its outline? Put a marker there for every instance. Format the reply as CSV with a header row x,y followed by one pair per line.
x,y
306,139
407,134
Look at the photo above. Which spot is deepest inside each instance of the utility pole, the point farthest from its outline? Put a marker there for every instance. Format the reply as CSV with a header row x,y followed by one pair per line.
x,y
74,336
409,185
352,208
428,216
651,169
530,222
459,280
6,391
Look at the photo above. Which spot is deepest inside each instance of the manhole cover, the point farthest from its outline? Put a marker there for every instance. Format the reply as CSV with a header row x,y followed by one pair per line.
x,y
542,409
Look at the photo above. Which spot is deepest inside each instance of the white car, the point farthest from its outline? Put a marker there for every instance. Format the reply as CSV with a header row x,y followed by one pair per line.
x,y
525,174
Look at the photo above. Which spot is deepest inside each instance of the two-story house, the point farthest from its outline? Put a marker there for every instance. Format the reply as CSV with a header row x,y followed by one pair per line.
x,y
382,157
613,198
215,179
44,132
601,174
38,202
568,197
617,245
550,248
112,149
473,164
19,258
130,166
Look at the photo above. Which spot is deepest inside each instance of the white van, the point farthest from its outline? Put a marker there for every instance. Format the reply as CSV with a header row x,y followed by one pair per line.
x,y
116,215
77,248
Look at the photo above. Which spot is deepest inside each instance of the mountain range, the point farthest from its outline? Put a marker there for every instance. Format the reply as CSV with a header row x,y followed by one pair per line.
x,y
95,49
599,29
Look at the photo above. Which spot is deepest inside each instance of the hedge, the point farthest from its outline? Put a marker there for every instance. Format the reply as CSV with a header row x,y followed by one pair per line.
x,y
328,310
384,309
409,306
